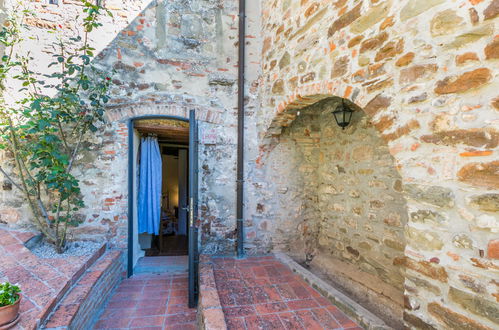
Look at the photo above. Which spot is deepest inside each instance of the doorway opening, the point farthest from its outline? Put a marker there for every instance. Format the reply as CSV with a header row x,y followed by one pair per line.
x,y
160,182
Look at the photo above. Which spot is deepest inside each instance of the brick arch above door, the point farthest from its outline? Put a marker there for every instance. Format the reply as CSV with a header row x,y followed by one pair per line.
x,y
125,112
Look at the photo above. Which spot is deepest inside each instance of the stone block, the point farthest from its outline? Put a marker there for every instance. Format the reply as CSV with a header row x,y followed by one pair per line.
x,y
480,174
285,60
416,72
373,16
427,269
492,10
466,81
433,195
472,284
486,202
452,320
462,241
416,322
396,245
492,50
340,67
401,131
476,304
471,36
427,216
423,240
493,249
373,43
307,77
390,50
414,8
479,138
422,283
445,23
405,60
466,57
278,87
355,41
345,20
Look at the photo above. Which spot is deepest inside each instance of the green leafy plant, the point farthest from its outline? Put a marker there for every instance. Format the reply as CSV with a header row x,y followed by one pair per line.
x,y
9,294
44,128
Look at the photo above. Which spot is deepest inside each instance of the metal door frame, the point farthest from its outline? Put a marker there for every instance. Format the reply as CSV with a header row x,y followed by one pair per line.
x,y
193,211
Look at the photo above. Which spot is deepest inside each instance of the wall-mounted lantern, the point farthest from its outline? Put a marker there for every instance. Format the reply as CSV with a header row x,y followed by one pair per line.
x,y
342,115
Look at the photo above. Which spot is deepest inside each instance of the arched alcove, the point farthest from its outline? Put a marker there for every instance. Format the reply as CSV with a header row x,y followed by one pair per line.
x,y
339,207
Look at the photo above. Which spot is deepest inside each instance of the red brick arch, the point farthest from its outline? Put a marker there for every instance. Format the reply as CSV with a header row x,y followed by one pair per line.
x,y
116,113
286,111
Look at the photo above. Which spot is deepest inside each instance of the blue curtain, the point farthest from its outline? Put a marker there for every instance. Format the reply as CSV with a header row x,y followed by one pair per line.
x,y
149,186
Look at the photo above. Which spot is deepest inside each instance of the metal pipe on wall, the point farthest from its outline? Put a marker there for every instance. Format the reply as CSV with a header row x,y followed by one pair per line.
x,y
240,129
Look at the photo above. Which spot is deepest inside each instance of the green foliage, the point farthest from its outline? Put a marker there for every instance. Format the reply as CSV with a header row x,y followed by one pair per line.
x,y
9,294
54,110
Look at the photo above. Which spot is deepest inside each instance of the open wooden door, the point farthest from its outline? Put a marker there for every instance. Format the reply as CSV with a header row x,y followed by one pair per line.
x,y
193,211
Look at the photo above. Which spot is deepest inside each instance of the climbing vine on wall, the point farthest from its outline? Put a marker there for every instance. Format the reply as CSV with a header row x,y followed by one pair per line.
x,y
44,124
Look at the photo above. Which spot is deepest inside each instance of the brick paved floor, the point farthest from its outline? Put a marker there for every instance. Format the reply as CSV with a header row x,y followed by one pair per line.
x,y
41,280
149,301
262,293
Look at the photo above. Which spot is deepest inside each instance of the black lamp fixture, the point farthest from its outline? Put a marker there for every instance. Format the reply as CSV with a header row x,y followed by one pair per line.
x,y
343,114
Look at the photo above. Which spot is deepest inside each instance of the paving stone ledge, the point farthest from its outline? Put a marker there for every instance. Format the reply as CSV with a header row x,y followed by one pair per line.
x,y
210,312
79,306
364,317
43,281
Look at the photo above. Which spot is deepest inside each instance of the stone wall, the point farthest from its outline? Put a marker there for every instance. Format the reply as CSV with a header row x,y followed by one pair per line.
x,y
338,202
292,187
164,58
425,72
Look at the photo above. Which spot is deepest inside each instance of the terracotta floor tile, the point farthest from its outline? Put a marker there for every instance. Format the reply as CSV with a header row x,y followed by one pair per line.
x,y
181,318
113,323
179,292
188,326
226,298
235,323
344,320
151,304
280,298
302,304
242,296
325,318
308,320
259,295
286,292
178,300
150,310
177,309
272,293
291,321
147,321
116,313
269,321
122,304
239,311
322,301
271,308
300,291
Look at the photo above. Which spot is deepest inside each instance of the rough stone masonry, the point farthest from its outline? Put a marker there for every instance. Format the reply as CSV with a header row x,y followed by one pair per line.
x,y
400,209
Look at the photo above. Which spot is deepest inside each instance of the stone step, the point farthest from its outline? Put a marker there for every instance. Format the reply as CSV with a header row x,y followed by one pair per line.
x,y
162,265
79,306
55,300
